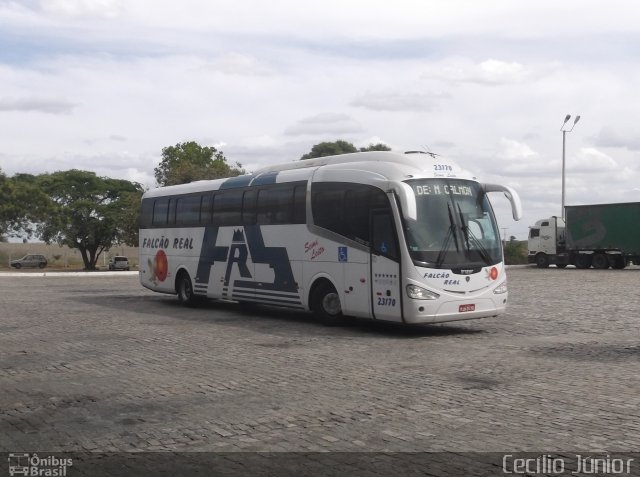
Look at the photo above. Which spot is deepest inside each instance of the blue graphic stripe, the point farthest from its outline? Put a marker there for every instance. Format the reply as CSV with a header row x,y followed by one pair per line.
x,y
238,181
265,179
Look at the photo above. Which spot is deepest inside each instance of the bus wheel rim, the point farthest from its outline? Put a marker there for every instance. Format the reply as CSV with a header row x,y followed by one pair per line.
x,y
331,304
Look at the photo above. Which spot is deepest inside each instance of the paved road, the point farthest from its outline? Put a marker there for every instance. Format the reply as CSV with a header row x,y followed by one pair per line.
x,y
104,365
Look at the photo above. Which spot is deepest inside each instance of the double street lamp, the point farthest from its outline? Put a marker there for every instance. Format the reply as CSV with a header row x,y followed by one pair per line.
x,y
565,129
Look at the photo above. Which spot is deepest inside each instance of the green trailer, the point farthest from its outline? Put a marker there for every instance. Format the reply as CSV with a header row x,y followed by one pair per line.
x,y
604,227
595,235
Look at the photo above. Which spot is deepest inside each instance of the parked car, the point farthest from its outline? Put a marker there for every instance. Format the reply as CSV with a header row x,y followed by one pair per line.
x,y
31,260
119,262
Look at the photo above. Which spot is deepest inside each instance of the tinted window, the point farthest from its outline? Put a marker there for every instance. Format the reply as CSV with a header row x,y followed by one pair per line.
x,y
275,205
249,207
171,217
146,213
384,235
188,210
206,209
299,204
346,208
160,208
227,206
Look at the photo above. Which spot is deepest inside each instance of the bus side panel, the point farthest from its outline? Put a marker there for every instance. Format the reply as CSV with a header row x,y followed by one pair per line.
x,y
345,267
163,252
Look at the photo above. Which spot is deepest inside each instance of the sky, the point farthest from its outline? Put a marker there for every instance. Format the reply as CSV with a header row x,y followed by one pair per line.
x,y
104,85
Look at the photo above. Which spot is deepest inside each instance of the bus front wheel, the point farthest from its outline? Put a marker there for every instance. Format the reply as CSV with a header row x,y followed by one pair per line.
x,y
325,304
185,289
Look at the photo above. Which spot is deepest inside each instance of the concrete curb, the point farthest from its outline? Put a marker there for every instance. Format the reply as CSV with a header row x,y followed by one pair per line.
x,y
65,274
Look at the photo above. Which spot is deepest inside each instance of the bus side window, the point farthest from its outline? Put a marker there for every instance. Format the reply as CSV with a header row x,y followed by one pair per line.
x,y
249,207
383,234
206,210
146,213
275,205
299,204
160,208
327,202
187,210
171,217
227,206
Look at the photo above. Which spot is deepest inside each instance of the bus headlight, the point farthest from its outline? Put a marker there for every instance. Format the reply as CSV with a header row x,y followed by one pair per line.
x,y
419,293
500,289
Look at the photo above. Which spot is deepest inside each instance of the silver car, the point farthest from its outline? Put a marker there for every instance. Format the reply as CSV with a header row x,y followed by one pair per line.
x,y
31,260
119,262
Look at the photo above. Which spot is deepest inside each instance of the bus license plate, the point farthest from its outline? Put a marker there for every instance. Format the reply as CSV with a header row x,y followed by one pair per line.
x,y
465,308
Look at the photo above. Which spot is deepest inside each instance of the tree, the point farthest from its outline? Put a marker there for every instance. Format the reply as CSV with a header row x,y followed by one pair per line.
x,y
20,202
340,147
330,149
375,147
515,252
88,212
189,161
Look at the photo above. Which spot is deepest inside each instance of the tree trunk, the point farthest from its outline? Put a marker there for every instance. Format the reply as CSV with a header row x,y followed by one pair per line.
x,y
85,258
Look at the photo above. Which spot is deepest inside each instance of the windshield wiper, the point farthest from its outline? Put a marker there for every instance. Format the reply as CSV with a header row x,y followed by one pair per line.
x,y
445,245
468,234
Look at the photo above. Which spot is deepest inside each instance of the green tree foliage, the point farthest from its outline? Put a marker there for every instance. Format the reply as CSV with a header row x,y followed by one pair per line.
x,y
88,212
330,149
340,147
515,251
375,147
189,161
21,202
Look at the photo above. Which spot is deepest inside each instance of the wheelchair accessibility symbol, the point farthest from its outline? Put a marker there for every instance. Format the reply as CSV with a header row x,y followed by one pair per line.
x,y
342,254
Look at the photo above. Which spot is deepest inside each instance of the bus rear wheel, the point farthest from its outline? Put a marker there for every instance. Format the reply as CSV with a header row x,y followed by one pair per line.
x,y
185,289
325,304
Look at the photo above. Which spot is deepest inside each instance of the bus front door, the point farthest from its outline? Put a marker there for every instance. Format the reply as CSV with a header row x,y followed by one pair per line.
x,y
385,268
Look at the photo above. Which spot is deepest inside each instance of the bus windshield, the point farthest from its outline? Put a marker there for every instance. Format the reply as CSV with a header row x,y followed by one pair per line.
x,y
455,225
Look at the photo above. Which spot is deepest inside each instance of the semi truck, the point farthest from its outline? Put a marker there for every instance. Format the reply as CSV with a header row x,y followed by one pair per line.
x,y
596,235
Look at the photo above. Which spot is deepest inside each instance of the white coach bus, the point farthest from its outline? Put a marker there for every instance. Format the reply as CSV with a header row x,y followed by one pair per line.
x,y
397,237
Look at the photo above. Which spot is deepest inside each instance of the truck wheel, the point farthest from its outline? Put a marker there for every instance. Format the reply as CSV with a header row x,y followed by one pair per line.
x,y
542,260
325,304
619,263
600,261
583,261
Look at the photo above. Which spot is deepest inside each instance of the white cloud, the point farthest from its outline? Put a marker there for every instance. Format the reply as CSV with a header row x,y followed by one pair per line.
x,y
590,160
324,124
424,102
490,72
104,86
238,64
34,104
74,8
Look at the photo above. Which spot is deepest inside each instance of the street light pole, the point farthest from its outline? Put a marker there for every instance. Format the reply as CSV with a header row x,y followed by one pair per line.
x,y
564,141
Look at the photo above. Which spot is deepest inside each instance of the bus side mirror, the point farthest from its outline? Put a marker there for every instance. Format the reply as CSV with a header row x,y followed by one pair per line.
x,y
407,198
510,194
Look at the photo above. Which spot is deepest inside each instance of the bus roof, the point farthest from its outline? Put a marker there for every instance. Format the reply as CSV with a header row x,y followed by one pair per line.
x,y
374,165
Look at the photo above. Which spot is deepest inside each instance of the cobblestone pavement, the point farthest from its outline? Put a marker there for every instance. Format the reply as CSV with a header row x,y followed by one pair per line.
x,y
102,364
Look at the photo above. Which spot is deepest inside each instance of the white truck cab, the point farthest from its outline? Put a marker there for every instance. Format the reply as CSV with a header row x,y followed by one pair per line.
x,y
546,242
